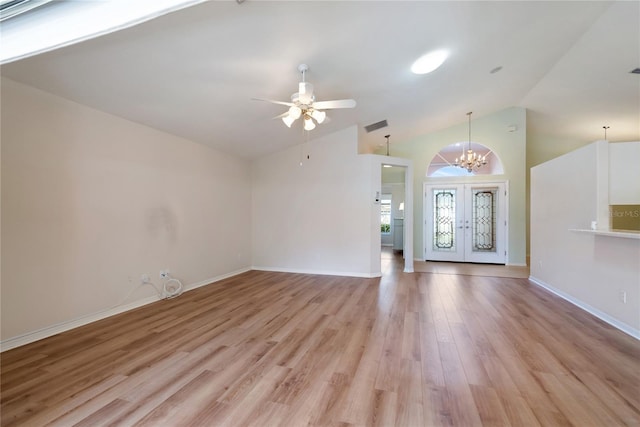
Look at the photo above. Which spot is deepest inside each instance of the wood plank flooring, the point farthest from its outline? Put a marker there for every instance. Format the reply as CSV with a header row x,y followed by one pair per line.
x,y
266,348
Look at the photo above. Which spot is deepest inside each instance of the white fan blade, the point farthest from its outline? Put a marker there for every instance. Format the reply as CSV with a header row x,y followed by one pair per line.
x,y
288,104
338,103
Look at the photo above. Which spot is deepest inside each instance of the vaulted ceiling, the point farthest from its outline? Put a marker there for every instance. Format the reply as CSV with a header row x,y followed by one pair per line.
x,y
193,72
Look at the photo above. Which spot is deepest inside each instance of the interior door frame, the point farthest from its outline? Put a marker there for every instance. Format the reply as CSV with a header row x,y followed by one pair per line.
x,y
426,214
407,243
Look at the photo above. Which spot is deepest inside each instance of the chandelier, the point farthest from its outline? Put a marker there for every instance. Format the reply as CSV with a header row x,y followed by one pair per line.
x,y
470,160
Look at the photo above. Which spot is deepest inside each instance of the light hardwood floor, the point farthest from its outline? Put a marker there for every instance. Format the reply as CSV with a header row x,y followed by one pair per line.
x,y
266,348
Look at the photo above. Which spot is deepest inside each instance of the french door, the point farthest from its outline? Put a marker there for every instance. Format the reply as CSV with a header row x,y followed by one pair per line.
x,y
465,222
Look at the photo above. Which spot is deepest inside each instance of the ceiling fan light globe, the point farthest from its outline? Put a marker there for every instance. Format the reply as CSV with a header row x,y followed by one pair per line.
x,y
295,112
319,116
308,124
288,120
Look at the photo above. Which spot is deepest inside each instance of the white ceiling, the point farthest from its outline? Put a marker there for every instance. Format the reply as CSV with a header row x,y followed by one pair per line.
x,y
194,71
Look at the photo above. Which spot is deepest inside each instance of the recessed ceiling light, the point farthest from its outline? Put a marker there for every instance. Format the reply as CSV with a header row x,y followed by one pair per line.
x,y
429,62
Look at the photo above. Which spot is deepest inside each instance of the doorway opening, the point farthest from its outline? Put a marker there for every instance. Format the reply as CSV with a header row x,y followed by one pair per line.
x,y
397,182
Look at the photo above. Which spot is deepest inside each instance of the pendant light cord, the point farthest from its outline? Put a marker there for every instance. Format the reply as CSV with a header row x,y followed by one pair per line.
x,y
469,114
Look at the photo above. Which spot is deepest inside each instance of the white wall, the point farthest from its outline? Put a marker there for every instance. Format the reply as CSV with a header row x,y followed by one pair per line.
x,y
91,201
316,217
494,132
590,270
624,173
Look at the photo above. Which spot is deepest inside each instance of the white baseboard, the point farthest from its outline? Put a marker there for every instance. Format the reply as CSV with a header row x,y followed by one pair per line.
x,y
216,279
319,272
49,331
589,309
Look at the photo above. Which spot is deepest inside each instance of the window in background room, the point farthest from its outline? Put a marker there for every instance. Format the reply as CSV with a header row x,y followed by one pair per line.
x,y
385,214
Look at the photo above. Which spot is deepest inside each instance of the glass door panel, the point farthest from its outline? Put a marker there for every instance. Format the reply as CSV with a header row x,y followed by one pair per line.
x,y
483,221
485,235
444,223
444,220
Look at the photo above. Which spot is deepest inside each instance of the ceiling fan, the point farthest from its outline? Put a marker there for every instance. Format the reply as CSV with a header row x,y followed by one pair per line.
x,y
303,104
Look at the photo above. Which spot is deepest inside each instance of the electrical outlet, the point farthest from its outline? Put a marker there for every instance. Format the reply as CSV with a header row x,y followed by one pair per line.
x,y
164,274
622,295
145,278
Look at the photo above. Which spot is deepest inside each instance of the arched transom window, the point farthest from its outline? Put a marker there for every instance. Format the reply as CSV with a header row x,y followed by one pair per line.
x,y
443,163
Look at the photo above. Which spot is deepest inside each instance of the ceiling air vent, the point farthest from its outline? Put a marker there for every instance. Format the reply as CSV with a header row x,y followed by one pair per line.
x,y
376,126
10,8
635,71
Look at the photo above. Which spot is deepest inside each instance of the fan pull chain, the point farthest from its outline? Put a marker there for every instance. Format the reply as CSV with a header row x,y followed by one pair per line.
x,y
305,144
302,149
